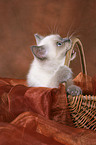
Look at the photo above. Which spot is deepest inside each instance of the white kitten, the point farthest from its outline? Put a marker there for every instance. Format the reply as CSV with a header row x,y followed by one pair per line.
x,y
47,68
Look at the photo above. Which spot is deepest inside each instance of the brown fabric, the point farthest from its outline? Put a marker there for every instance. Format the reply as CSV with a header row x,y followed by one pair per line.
x,y
87,83
13,82
59,109
30,114
44,101
94,85
11,135
33,129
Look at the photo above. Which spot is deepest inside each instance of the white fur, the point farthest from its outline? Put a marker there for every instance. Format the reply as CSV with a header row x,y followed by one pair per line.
x,y
42,72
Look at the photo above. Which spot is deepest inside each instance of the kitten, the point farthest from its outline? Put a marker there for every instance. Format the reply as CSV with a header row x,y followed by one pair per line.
x,y
47,68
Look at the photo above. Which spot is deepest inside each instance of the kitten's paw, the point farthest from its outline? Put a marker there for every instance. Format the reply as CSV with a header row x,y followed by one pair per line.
x,y
74,90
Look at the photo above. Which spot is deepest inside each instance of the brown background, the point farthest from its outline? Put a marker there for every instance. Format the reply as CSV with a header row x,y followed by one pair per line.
x,y
20,19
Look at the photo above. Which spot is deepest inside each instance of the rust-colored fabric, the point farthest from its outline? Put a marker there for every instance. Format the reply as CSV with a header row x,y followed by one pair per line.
x,y
33,129
29,114
12,135
44,101
94,85
87,83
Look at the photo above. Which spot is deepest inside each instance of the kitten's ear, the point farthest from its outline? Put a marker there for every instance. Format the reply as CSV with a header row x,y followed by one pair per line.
x,y
38,38
39,51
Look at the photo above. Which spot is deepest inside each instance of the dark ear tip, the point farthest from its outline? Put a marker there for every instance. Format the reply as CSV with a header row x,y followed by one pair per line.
x,y
36,35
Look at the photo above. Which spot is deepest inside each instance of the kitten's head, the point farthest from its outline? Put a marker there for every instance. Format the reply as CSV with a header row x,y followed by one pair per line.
x,y
51,47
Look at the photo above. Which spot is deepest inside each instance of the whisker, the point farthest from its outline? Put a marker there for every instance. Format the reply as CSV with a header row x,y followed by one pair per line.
x,y
78,36
54,28
72,34
76,31
69,29
57,29
49,29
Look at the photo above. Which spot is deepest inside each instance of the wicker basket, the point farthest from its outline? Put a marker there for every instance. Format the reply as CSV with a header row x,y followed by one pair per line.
x,y
82,107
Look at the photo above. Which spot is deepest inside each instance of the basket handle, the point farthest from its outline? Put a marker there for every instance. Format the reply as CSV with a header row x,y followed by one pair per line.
x,y
76,41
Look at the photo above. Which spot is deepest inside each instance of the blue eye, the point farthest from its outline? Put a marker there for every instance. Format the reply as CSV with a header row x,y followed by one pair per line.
x,y
59,44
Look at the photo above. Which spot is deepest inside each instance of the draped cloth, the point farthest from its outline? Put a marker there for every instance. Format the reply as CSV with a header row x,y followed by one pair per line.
x,y
42,116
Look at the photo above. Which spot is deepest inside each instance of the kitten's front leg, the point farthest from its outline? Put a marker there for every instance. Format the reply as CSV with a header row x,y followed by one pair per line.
x,y
64,74
60,76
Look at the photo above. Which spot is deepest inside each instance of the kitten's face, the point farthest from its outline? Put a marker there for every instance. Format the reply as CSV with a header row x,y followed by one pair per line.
x,y
51,47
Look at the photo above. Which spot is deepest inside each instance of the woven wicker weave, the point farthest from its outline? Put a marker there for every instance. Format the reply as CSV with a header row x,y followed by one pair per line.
x,y
82,108
83,111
